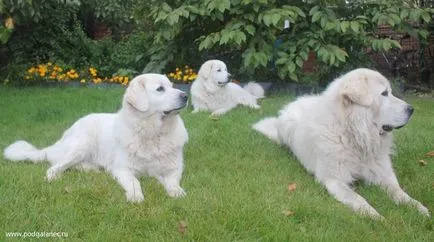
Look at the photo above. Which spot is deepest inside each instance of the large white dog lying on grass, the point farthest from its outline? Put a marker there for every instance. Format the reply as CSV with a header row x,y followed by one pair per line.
x,y
344,134
213,91
145,136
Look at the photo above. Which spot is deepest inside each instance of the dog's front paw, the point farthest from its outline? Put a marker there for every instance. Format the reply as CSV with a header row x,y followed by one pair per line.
x,y
422,209
135,197
52,174
256,106
176,192
371,212
216,114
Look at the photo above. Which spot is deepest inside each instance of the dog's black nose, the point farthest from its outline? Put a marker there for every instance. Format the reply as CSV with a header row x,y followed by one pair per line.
x,y
410,110
184,97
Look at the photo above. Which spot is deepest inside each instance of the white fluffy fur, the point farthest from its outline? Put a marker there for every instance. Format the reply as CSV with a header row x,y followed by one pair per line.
x,y
341,136
146,136
212,90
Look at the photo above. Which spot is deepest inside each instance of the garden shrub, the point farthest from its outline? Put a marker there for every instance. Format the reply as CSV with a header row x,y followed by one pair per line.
x,y
249,35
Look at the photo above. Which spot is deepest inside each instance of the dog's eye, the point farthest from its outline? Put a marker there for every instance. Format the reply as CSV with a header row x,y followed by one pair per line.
x,y
385,93
160,89
219,70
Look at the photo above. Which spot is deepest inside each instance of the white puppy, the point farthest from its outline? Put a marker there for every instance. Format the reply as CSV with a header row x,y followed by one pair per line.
x,y
344,134
146,136
213,91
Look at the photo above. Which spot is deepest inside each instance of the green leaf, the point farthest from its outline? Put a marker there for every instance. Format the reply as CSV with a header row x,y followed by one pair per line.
x,y
206,43
293,76
239,37
304,55
344,26
423,33
386,45
314,10
323,54
291,66
316,16
395,17
267,20
355,26
275,19
395,44
225,36
172,19
330,25
299,61
332,59
166,7
222,5
250,29
414,14
426,16
404,13
281,61
340,54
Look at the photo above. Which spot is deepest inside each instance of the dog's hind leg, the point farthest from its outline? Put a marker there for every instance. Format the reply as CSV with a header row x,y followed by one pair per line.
x,y
72,155
268,128
343,193
221,111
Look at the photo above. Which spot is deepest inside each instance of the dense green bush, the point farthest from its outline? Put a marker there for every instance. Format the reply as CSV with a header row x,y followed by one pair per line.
x,y
249,34
58,31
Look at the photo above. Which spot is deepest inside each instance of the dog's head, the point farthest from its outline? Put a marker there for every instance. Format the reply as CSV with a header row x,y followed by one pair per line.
x,y
154,94
214,72
369,89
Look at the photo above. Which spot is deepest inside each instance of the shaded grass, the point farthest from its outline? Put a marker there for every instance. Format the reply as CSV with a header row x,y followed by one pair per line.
x,y
236,181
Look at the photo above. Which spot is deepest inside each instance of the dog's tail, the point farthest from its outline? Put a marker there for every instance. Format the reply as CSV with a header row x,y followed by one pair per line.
x,y
22,150
268,127
255,89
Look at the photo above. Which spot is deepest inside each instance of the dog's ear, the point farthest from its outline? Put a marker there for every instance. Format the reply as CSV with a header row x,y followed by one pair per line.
x,y
205,69
136,94
355,89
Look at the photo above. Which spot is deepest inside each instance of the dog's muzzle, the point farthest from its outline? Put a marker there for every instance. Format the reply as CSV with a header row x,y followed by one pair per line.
x,y
388,128
183,101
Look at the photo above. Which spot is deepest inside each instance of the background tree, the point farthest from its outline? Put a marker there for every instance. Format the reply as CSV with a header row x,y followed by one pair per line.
x,y
249,34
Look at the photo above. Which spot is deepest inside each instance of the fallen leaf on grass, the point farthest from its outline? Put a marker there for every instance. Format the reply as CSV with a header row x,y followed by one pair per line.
x,y
182,227
288,213
292,186
430,154
423,163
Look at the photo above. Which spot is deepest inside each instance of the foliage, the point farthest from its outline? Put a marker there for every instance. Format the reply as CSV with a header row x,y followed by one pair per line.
x,y
249,35
53,30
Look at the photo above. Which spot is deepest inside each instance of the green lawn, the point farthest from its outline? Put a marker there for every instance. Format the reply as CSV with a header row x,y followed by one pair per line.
x,y
236,181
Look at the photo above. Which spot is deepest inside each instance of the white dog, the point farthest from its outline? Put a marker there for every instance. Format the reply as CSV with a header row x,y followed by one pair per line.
x,y
145,136
213,91
344,134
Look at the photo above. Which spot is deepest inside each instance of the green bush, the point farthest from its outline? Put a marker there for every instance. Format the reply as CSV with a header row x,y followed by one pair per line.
x,y
249,35
55,30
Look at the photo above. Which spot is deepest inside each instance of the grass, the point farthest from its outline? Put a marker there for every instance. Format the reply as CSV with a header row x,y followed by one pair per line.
x,y
236,181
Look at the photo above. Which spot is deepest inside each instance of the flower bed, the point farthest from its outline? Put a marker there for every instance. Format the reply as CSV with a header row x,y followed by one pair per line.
x,y
50,72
